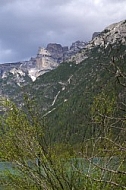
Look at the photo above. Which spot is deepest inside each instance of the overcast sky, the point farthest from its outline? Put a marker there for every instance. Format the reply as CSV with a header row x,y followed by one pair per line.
x,y
27,24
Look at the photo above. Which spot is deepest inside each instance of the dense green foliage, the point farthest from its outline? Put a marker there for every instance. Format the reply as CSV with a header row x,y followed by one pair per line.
x,y
37,164
75,87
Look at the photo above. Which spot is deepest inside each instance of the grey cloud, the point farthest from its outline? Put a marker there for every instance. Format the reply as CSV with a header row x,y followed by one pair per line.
x,y
5,2
115,1
26,24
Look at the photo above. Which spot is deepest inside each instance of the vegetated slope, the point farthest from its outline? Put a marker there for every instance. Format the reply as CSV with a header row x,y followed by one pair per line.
x,y
65,95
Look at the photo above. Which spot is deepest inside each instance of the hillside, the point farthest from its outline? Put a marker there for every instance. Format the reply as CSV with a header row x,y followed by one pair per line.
x,y
65,95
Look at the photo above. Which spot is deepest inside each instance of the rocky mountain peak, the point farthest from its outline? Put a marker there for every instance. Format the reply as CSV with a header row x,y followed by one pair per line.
x,y
52,47
46,59
42,52
111,34
56,51
115,33
95,34
76,46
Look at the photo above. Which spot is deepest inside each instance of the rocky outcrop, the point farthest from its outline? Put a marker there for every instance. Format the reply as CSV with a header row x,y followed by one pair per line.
x,y
44,59
113,34
95,34
56,51
76,46
60,53
74,49
47,59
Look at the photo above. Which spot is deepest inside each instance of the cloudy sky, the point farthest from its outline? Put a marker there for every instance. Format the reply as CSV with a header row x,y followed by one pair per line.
x,y
27,24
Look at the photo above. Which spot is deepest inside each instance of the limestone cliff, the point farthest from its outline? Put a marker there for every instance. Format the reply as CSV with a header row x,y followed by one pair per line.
x,y
95,34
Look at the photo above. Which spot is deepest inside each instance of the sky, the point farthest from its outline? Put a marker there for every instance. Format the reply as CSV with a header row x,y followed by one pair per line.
x,y
26,25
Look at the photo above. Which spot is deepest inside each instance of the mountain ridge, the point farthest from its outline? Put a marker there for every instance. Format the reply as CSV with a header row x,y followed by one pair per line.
x,y
55,87
46,60
50,57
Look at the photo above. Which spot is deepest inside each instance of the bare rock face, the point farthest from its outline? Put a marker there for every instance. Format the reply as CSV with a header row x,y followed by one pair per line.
x,y
46,59
60,53
95,34
44,62
65,49
76,46
43,59
56,51
113,34
74,49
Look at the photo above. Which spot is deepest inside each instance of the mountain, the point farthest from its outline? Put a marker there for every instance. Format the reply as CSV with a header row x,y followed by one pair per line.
x,y
47,59
13,76
66,95
113,34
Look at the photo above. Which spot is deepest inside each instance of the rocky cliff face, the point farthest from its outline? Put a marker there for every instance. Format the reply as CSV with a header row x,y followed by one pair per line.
x,y
95,34
113,34
76,46
56,51
60,53
47,59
